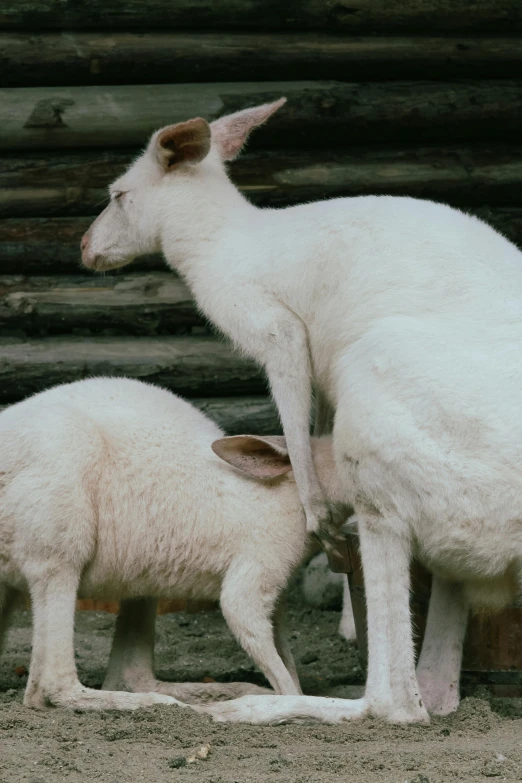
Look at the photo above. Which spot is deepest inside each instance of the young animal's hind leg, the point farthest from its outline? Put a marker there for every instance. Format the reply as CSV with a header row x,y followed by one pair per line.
x,y
392,691
8,598
248,604
53,679
438,670
283,645
131,663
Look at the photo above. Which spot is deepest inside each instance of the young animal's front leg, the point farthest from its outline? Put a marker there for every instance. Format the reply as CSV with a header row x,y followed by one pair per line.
x,y
438,670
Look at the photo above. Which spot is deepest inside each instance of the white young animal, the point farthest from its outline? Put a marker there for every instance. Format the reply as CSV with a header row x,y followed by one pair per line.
x,y
110,488
407,316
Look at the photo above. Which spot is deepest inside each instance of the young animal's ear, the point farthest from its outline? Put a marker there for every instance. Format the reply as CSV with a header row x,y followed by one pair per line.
x,y
257,456
186,142
231,132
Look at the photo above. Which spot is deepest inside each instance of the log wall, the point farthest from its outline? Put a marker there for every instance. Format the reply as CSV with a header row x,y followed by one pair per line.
x,y
416,97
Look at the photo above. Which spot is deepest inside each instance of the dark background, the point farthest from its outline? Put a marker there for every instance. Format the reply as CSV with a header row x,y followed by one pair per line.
x,y
415,97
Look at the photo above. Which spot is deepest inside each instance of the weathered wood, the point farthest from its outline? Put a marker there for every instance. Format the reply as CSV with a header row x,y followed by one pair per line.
x,y
76,184
149,304
347,16
42,245
238,415
61,59
54,184
317,113
45,245
507,220
191,366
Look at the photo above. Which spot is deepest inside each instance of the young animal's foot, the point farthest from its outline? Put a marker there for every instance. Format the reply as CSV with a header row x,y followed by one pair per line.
x,y
80,698
204,693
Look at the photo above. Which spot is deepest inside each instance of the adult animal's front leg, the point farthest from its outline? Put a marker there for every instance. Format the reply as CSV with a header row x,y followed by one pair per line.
x,y
287,363
288,366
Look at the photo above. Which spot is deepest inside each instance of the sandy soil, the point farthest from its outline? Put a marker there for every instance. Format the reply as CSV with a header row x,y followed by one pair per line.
x,y
482,741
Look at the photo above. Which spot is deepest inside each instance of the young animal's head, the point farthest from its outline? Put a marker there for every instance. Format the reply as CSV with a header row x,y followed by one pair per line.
x,y
170,185
266,458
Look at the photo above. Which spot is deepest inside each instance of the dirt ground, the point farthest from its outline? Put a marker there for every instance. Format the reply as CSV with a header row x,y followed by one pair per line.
x,y
482,741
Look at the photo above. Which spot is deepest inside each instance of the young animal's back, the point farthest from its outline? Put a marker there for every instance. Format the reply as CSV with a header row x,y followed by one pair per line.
x,y
155,511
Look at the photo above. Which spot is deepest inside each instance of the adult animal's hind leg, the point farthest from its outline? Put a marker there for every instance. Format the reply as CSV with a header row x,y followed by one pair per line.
x,y
131,662
392,691
438,669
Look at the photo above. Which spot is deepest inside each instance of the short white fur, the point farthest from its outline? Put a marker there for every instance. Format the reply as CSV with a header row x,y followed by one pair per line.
x,y
109,488
407,317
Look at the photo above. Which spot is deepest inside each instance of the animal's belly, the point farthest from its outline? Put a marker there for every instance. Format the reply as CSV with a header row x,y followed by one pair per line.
x,y
102,579
476,550
155,553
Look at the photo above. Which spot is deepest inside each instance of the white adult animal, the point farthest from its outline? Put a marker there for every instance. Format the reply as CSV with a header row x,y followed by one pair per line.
x,y
111,488
407,316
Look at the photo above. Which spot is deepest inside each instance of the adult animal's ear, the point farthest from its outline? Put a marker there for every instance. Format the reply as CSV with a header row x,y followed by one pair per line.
x,y
231,132
257,456
186,142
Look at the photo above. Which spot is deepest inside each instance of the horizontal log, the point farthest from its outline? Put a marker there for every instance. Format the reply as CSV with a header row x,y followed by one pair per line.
x,y
44,245
238,415
346,16
76,184
507,220
148,304
61,59
191,366
317,113
58,184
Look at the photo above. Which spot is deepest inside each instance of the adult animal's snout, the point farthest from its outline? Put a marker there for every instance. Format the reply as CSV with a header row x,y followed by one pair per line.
x,y
88,257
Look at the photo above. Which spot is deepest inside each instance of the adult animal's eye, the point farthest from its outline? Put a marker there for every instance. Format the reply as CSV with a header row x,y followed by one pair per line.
x,y
116,196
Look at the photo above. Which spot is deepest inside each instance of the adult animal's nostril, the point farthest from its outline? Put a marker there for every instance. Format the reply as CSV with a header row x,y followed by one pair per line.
x,y
84,242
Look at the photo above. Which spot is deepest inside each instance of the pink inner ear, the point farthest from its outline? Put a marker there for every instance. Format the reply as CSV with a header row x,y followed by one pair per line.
x,y
263,467
231,147
252,456
231,132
